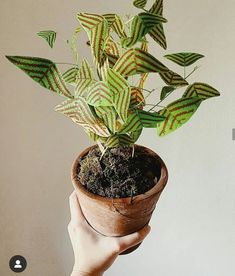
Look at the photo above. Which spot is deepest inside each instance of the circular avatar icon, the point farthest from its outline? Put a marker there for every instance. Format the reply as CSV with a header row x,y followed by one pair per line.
x,y
17,263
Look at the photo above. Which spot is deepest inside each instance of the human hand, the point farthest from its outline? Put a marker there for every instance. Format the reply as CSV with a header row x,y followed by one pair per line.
x,y
93,252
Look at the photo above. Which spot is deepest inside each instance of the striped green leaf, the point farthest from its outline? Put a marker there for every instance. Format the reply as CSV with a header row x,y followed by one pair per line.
x,y
96,27
138,119
137,97
184,59
166,90
93,136
43,71
118,140
49,36
172,78
108,115
201,90
99,95
144,46
103,69
150,119
120,90
141,25
135,61
69,109
140,3
116,24
111,47
157,7
132,124
177,114
112,59
70,76
142,81
84,79
157,33
111,52
73,44
81,113
136,134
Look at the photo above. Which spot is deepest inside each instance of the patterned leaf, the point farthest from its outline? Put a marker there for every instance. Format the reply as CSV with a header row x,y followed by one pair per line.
x,y
93,136
70,76
103,69
73,44
144,46
157,7
177,114
108,115
132,124
137,96
96,27
142,81
120,91
150,119
172,78
141,25
157,33
69,109
80,112
140,3
136,61
115,23
111,47
136,134
166,90
201,90
99,95
119,140
111,52
42,71
84,80
49,36
184,59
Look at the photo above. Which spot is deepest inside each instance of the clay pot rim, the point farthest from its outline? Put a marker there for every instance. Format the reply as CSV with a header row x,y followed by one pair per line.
x,y
157,188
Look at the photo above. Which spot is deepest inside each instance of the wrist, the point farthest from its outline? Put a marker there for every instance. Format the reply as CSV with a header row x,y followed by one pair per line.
x,y
77,272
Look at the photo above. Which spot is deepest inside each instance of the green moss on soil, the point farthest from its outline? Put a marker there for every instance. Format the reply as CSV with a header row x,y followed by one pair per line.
x,y
118,174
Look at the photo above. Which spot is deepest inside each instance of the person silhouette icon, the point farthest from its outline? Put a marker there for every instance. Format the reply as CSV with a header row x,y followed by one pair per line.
x,y
17,264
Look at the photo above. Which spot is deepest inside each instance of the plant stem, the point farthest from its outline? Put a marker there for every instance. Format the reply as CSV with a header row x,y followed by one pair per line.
x,y
157,104
128,22
192,72
154,105
144,10
184,72
66,63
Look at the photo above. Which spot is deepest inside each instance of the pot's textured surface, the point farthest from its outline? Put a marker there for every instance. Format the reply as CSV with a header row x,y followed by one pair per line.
x,y
121,216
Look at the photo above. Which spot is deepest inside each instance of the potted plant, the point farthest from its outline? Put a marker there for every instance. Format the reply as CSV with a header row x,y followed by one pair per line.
x,y
118,183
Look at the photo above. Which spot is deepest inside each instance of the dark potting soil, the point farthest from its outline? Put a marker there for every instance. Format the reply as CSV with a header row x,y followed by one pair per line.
x,y
118,174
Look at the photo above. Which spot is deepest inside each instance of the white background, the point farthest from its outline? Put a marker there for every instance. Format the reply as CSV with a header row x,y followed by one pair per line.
x,y
193,228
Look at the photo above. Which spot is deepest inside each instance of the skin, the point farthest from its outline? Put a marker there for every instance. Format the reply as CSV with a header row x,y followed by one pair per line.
x,y
93,252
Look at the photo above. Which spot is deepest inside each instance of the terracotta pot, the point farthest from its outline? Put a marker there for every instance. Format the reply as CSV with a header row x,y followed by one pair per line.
x,y
120,216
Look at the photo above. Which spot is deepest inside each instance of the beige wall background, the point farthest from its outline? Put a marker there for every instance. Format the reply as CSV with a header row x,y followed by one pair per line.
x,y
193,227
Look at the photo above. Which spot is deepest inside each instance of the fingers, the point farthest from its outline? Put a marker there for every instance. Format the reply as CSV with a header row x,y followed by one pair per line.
x,y
75,209
133,239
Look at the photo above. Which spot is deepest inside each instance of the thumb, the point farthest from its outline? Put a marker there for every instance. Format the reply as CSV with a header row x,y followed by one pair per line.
x,y
133,239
